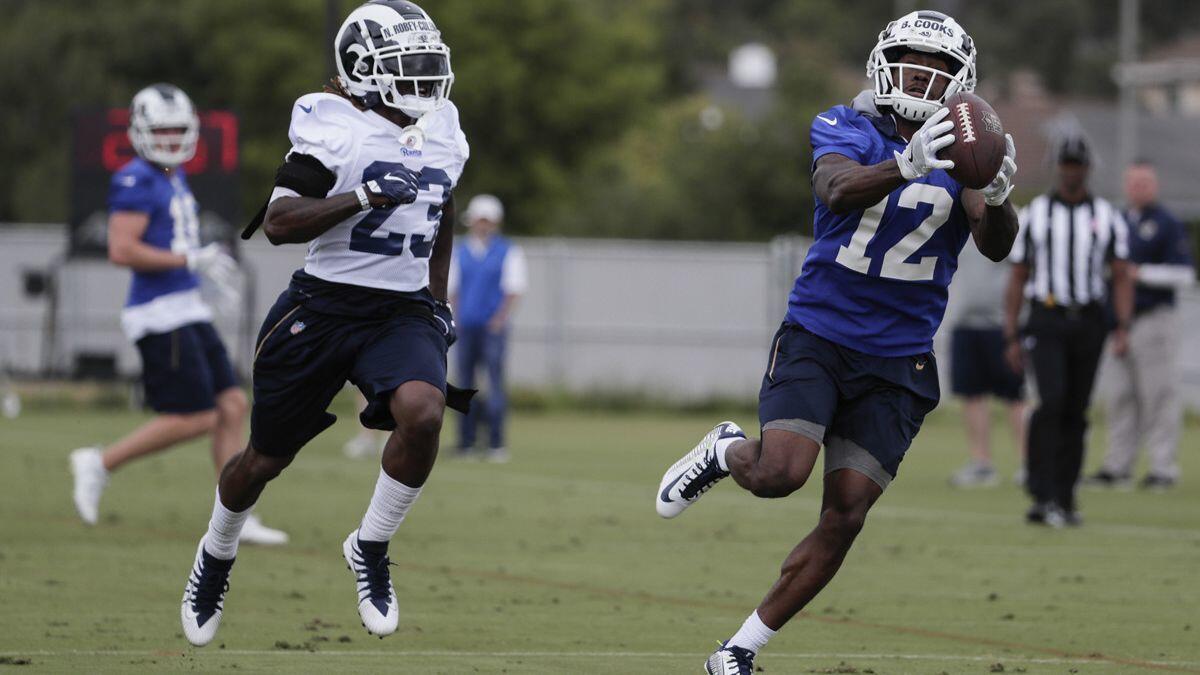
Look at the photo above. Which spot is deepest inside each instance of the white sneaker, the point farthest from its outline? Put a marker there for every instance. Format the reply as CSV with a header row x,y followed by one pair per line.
x,y
975,474
204,597
730,661
254,532
498,456
90,479
377,606
694,474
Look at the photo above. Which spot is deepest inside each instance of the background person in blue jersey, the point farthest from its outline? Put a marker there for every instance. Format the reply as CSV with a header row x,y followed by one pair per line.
x,y
154,231
487,277
1144,406
852,367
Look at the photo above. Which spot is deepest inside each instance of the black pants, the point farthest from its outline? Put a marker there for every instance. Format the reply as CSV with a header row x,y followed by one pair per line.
x,y
1066,349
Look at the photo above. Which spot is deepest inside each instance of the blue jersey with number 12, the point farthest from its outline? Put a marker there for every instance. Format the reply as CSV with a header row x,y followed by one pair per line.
x,y
876,280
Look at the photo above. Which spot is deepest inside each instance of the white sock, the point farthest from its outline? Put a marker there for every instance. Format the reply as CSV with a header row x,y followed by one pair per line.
x,y
753,634
223,530
389,505
721,447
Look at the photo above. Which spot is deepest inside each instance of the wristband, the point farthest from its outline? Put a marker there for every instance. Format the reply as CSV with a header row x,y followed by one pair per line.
x,y
363,201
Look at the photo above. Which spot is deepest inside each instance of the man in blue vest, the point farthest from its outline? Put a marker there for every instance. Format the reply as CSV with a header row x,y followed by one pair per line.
x,y
487,276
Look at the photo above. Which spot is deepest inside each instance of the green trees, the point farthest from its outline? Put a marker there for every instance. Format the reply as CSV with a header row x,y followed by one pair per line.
x,y
584,117
540,83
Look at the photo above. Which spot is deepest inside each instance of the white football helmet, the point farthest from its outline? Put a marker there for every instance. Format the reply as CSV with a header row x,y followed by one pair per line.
x,y
159,108
391,51
923,31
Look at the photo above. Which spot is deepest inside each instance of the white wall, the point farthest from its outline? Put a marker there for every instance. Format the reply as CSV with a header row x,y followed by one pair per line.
x,y
684,320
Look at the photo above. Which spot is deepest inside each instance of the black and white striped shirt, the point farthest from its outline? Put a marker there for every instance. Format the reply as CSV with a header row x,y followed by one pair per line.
x,y
1066,247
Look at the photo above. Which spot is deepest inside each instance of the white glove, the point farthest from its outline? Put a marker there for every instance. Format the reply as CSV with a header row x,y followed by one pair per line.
x,y
215,265
997,191
212,261
920,157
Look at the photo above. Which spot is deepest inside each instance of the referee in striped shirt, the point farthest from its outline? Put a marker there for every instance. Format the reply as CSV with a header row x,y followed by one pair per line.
x,y
1068,239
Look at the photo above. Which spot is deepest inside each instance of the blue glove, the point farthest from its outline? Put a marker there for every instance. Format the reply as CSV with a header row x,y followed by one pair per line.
x,y
443,315
399,186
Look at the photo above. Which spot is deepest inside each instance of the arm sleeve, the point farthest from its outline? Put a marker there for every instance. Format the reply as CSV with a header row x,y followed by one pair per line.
x,y
841,137
514,274
130,192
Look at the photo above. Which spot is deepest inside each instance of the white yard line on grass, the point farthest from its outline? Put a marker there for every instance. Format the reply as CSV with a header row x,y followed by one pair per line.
x,y
446,654
883,510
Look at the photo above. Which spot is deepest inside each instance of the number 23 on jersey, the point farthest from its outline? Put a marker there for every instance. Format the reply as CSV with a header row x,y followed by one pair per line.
x,y
364,238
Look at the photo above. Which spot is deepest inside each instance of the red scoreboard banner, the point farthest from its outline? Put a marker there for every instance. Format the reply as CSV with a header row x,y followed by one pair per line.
x,y
101,146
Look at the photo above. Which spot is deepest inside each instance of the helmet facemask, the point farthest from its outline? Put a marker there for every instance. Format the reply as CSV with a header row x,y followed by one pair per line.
x,y
163,127
921,32
415,81
398,60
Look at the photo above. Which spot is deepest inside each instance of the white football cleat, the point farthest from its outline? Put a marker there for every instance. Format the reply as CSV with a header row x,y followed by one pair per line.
x,y
254,532
694,474
90,478
730,661
377,606
204,597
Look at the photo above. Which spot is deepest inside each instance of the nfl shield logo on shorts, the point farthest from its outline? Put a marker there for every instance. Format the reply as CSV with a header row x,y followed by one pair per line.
x,y
297,327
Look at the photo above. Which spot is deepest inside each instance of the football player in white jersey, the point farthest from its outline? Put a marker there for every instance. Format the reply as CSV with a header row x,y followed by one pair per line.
x,y
368,185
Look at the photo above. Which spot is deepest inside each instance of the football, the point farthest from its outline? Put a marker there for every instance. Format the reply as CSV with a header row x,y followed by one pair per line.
x,y
978,148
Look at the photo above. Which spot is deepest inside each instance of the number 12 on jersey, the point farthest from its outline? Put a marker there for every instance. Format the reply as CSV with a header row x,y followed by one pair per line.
x,y
394,243
895,259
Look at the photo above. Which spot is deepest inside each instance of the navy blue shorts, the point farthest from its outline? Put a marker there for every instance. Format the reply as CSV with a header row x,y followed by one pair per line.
x,y
303,358
184,370
977,365
865,409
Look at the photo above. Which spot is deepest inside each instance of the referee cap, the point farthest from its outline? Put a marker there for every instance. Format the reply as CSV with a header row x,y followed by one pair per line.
x,y
1074,149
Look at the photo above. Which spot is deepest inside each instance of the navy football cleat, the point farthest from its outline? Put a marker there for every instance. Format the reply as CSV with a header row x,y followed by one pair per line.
x,y
694,474
730,661
204,597
377,606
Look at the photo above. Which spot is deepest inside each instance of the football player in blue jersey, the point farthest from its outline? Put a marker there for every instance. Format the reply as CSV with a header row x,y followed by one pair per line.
x,y
153,230
852,366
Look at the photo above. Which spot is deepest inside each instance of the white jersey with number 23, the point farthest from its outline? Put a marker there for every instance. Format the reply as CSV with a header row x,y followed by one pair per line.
x,y
381,248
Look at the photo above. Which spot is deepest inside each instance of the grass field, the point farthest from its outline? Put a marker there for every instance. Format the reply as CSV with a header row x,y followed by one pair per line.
x,y
557,563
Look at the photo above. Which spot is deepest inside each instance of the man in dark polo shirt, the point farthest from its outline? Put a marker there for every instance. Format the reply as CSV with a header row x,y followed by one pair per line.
x,y
1144,407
